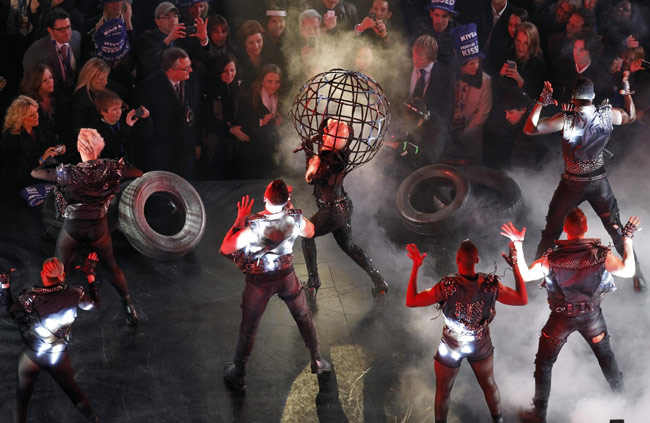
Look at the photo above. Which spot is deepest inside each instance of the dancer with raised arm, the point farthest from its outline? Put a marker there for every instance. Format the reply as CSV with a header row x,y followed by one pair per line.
x,y
577,273
262,245
586,130
467,299
44,315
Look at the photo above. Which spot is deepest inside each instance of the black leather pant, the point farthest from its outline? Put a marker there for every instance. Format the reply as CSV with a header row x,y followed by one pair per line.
x,y
554,336
59,367
95,233
569,194
257,293
336,218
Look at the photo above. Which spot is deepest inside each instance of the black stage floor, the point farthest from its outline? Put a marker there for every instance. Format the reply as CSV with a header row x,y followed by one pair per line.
x,y
169,369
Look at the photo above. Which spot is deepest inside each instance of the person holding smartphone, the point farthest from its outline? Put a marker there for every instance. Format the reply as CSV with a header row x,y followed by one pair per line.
x,y
524,66
338,15
374,25
115,126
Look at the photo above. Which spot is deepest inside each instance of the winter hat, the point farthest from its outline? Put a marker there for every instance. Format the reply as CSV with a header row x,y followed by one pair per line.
x,y
446,5
111,43
465,41
516,98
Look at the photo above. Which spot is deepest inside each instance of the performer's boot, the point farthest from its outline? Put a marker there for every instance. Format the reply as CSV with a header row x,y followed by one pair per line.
x,y
497,419
235,375
129,310
311,289
380,290
532,415
320,365
638,279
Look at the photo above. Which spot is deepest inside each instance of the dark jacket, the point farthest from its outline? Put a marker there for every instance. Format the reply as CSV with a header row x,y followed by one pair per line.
x,y
172,144
43,50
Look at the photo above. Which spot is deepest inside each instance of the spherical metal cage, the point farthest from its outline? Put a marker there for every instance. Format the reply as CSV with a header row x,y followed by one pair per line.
x,y
348,96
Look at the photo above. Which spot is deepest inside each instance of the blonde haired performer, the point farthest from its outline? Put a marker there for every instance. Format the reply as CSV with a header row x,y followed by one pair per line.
x,y
44,315
83,194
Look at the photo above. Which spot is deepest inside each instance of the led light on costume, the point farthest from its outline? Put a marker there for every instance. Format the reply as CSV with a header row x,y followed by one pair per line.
x,y
275,235
586,132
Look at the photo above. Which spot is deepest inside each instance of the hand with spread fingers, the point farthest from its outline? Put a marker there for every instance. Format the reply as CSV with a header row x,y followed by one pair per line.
x,y
510,231
90,265
414,254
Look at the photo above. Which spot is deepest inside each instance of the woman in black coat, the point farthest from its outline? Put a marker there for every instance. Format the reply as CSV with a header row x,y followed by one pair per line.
x,y
23,145
53,110
525,66
221,130
261,116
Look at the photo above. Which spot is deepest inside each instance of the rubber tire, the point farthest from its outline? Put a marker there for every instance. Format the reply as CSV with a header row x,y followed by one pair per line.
x,y
54,222
136,228
510,204
444,219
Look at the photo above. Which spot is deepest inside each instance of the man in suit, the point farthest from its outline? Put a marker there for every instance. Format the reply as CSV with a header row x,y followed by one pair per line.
x,y
491,19
582,62
60,50
432,80
172,97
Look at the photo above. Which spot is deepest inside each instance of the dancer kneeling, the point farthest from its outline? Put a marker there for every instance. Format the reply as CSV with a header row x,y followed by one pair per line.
x,y
467,301
83,193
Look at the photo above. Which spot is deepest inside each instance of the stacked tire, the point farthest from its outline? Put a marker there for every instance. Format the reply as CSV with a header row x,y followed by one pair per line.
x,y
439,198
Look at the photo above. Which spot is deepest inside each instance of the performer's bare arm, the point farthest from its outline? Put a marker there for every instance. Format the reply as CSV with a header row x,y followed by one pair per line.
x,y
538,269
413,297
628,114
308,230
236,240
623,268
536,126
511,296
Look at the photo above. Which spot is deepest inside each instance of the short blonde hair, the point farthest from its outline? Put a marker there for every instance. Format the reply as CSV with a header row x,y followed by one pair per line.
x,y
92,69
90,142
17,112
428,45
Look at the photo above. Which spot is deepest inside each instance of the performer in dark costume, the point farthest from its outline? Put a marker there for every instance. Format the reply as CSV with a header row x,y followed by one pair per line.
x,y
468,302
261,246
326,172
577,274
586,130
83,194
44,316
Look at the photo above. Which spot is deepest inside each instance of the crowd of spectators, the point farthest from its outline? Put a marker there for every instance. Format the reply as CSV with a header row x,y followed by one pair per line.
x,y
202,88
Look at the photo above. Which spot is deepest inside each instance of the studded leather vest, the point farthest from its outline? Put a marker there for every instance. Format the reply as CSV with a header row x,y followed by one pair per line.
x,y
577,271
85,190
49,314
469,305
585,136
275,235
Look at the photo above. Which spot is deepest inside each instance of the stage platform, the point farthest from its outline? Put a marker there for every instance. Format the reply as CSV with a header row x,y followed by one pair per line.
x,y
169,368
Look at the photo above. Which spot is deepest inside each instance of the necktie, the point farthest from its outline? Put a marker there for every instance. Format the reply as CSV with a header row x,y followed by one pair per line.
x,y
66,61
419,85
179,92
